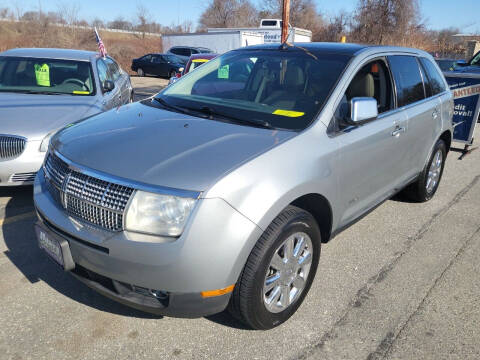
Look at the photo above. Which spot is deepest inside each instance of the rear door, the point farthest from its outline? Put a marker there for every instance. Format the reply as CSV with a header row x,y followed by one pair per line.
x,y
422,110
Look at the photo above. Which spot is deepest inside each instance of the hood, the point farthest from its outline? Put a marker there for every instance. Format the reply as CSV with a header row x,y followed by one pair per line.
x,y
158,147
34,116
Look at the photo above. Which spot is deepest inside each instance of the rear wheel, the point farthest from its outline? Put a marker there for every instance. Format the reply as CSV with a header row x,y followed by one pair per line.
x,y
140,72
427,183
279,271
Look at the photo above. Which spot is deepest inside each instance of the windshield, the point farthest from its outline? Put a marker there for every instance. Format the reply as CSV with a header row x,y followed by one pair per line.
x,y
172,58
279,88
476,60
46,76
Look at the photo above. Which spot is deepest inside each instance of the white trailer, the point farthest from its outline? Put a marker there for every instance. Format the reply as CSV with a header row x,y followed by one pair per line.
x,y
271,30
218,41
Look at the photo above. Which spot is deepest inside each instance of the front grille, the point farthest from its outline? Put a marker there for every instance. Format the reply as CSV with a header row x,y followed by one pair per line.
x,y
88,198
23,177
11,146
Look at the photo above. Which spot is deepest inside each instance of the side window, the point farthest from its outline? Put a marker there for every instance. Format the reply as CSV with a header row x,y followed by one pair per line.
x,y
407,78
175,51
102,70
372,80
427,86
147,58
158,59
194,51
437,84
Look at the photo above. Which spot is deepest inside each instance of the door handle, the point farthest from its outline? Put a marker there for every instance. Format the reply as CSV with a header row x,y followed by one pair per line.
x,y
435,114
398,130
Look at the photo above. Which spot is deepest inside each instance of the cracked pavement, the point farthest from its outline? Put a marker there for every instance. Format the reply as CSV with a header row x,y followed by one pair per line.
x,y
402,283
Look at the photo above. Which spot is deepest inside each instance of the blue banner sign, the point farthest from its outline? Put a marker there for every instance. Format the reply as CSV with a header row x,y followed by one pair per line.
x,y
466,94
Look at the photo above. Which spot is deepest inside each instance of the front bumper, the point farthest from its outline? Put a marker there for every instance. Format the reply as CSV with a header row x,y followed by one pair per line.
x,y
22,169
209,255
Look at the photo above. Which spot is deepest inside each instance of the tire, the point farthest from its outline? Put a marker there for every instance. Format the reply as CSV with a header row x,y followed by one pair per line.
x,y
140,72
172,74
422,190
249,301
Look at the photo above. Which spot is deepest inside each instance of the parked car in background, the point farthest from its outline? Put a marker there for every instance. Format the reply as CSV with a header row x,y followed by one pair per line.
x,y
447,64
164,65
41,91
220,190
194,62
184,52
472,66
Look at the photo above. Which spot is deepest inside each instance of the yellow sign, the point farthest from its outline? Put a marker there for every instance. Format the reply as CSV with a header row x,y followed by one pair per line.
x,y
199,60
81,92
288,113
42,74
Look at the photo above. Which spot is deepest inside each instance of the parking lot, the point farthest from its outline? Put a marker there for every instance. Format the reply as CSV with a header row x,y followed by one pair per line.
x,y
400,284
147,86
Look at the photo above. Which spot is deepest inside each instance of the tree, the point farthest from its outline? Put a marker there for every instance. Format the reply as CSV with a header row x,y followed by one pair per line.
x,y
388,22
303,13
142,19
229,13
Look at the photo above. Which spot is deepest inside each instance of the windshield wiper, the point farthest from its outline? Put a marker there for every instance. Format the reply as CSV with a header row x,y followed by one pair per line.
x,y
34,92
166,105
211,113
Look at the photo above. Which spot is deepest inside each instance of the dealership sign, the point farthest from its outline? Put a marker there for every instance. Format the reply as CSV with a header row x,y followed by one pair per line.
x,y
466,93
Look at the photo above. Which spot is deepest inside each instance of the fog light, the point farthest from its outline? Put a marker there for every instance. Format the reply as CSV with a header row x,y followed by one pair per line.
x,y
159,294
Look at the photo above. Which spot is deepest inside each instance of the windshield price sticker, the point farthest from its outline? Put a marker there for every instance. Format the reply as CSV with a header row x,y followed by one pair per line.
x,y
42,74
288,113
223,72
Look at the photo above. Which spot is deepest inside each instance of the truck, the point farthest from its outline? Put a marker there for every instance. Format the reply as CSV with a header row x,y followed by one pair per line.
x,y
271,30
218,41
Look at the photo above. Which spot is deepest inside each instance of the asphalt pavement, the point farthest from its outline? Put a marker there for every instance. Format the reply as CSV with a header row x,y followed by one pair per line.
x,y
403,283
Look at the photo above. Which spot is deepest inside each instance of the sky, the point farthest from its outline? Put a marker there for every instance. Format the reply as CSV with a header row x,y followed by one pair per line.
x,y
437,14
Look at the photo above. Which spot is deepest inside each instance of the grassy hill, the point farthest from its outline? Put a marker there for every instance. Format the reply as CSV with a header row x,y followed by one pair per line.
x,y
121,46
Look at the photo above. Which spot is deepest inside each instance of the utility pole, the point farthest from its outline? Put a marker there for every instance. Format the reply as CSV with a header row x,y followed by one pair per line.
x,y
285,20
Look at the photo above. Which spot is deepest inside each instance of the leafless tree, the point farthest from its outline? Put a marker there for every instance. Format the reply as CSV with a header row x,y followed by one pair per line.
x,y
142,19
388,22
229,13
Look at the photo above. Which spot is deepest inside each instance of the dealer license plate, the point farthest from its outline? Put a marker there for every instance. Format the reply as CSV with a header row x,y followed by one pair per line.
x,y
50,245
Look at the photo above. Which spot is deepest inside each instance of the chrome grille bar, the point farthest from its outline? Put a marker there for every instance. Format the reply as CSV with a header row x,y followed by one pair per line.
x,y
93,200
11,146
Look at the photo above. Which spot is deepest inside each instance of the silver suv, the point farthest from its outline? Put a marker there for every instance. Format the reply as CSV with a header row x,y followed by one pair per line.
x,y
218,191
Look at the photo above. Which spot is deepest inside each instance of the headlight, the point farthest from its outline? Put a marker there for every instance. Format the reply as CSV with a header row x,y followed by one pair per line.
x,y
158,214
46,141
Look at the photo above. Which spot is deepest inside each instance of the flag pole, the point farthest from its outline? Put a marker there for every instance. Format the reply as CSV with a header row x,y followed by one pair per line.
x,y
285,20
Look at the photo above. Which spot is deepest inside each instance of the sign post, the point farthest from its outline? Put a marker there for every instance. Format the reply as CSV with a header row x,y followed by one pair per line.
x,y
466,95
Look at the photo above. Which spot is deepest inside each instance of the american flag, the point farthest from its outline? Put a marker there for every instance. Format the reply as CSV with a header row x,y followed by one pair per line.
x,y
101,47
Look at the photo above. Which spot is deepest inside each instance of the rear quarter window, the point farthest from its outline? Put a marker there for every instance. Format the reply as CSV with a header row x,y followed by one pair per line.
x,y
408,79
435,79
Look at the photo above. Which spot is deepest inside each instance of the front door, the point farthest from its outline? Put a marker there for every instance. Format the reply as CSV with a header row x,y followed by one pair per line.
x,y
372,161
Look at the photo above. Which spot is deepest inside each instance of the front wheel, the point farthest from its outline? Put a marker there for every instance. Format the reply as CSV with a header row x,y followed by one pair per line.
x,y
427,183
140,72
279,271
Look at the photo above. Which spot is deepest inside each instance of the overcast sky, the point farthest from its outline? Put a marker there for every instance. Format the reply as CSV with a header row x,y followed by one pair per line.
x,y
437,14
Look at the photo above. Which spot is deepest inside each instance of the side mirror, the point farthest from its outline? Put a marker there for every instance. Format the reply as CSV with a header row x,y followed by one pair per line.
x,y
461,63
363,109
108,85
